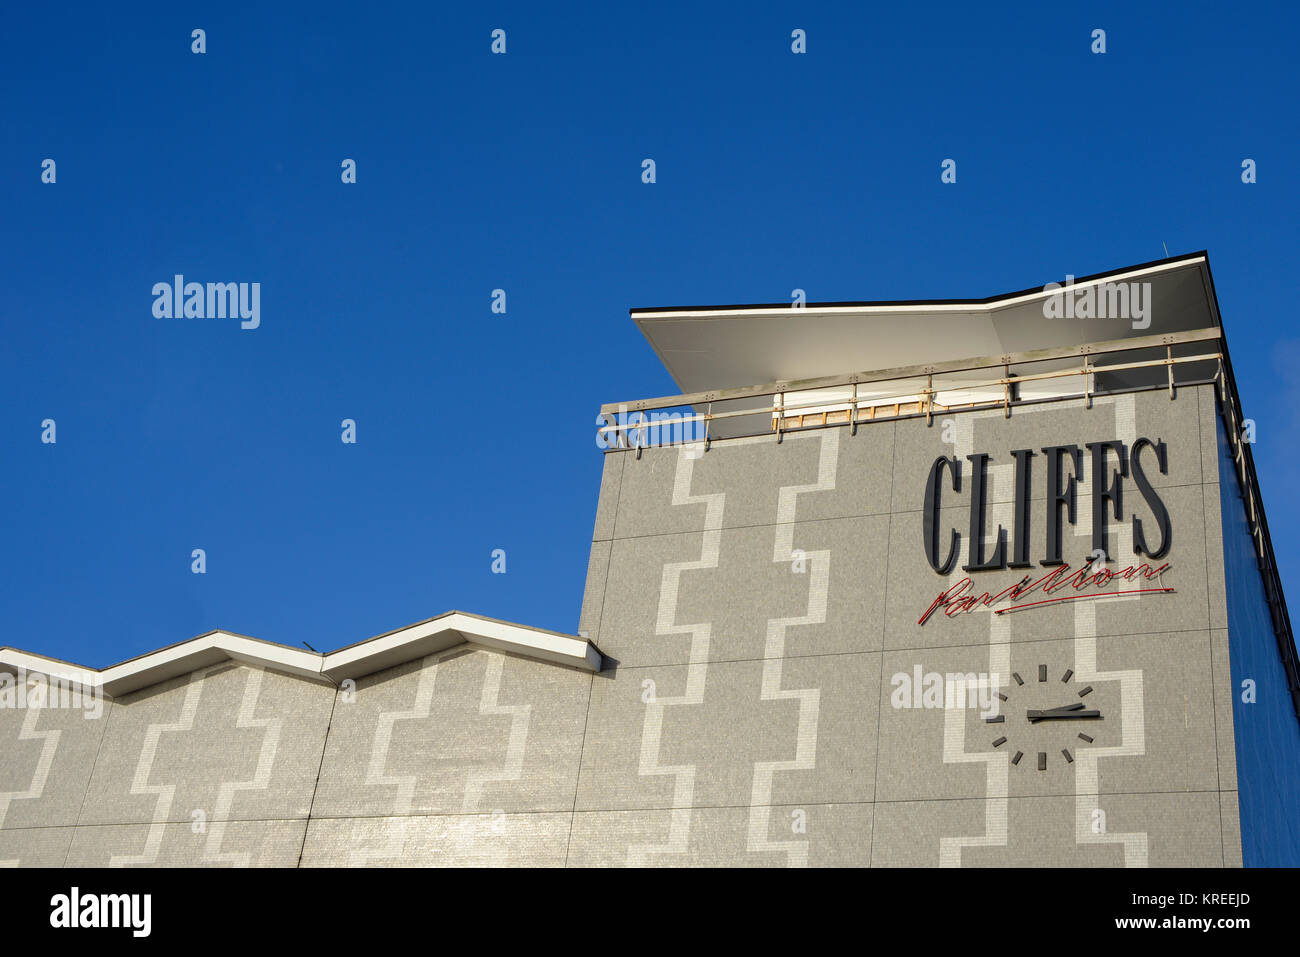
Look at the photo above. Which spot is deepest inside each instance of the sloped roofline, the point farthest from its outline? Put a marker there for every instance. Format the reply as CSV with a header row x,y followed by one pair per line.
x,y
965,305
352,661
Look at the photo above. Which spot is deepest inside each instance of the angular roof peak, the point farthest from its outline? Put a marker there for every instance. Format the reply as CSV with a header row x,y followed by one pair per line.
x,y
352,661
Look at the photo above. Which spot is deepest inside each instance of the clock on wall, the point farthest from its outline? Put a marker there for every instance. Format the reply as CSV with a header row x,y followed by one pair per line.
x,y
1046,706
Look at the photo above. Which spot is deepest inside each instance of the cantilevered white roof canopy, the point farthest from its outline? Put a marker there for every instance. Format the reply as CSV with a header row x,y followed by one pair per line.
x,y
354,661
721,347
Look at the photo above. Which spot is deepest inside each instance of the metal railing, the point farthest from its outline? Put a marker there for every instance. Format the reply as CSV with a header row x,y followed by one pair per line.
x,y
909,399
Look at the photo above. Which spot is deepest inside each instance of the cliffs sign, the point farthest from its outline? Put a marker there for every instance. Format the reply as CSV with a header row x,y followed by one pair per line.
x,y
1113,466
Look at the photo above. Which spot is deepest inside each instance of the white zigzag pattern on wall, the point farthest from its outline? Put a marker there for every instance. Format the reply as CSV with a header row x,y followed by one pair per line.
x,y
472,835
700,632
1085,653
478,837
39,775
166,793
818,565
403,783
261,777
1132,711
996,763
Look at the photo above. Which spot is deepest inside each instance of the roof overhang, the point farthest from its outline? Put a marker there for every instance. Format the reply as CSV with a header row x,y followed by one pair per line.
x,y
721,347
354,661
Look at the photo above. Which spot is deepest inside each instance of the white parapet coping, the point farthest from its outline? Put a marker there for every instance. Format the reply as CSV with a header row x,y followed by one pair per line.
x,y
354,661
437,634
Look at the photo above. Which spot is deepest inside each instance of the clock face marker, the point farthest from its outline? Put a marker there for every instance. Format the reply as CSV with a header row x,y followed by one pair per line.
x,y
1061,712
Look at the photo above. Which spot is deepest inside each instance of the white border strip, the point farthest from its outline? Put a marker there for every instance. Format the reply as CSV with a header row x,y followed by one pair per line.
x,y
354,661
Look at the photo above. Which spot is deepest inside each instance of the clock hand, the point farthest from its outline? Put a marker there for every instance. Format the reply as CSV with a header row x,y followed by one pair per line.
x,y
1061,711
1059,714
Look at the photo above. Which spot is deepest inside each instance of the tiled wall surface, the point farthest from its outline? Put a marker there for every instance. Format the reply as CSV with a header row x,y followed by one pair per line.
x,y
755,604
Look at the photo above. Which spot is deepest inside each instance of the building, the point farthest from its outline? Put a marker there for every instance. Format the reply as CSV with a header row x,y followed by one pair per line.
x,y
959,583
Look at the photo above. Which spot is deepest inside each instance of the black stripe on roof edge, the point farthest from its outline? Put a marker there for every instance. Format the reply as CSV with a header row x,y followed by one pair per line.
x,y
1078,280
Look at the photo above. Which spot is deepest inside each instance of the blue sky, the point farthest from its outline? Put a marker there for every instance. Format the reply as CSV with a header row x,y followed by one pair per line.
x,y
522,172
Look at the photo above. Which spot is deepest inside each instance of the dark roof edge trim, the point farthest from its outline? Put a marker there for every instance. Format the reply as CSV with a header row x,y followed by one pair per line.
x,y
1078,280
